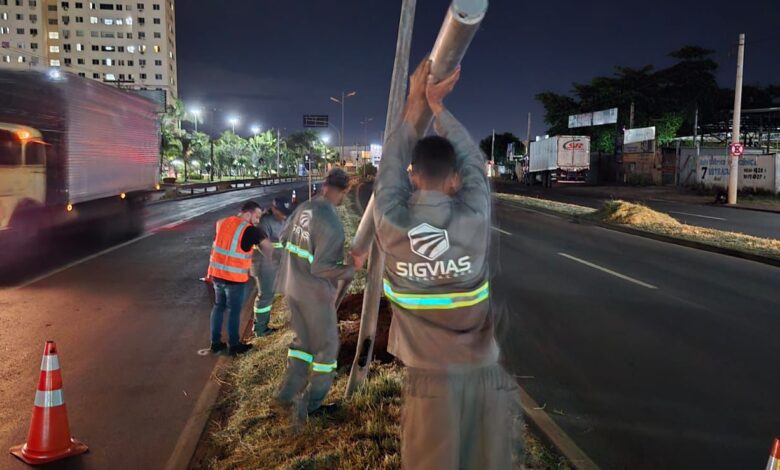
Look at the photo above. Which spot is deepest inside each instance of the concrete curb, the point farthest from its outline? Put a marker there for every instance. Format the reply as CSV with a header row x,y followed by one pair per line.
x,y
658,237
189,439
555,436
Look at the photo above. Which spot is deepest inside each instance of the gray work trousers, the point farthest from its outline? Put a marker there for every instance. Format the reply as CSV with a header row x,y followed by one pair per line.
x,y
265,277
464,419
311,360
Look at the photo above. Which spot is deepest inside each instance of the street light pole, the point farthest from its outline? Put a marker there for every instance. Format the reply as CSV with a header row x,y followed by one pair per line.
x,y
343,99
734,159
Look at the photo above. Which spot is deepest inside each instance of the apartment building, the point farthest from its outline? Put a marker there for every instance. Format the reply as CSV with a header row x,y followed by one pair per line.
x,y
131,45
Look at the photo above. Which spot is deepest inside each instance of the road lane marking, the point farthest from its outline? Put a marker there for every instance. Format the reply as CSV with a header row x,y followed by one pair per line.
x,y
500,231
608,271
697,215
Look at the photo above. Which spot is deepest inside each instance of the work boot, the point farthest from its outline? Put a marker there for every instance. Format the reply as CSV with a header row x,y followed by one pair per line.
x,y
217,347
240,348
325,410
300,412
266,332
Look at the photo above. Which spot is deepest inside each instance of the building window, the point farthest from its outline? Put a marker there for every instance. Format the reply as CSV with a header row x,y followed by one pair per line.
x,y
66,47
106,34
54,49
95,61
19,17
141,21
53,22
20,59
106,6
107,48
5,30
158,63
142,62
94,34
82,75
156,6
80,61
95,75
130,63
108,21
129,35
108,62
119,7
19,30
65,5
33,32
79,19
141,35
79,33
67,61
143,76
3,15
129,21
33,19
7,59
54,63
120,49
120,35
95,47
131,49
52,8
156,21
93,19
118,21
54,35
79,47
79,5
139,6
34,46
157,49
158,76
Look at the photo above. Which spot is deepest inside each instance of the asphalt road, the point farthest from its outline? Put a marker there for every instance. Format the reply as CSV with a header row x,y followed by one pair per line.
x,y
649,355
760,224
128,324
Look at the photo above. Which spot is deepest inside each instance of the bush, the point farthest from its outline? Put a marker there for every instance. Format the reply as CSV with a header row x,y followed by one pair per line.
x,y
195,177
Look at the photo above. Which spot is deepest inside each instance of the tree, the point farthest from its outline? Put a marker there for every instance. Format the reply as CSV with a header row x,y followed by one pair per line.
x,y
502,143
262,151
231,153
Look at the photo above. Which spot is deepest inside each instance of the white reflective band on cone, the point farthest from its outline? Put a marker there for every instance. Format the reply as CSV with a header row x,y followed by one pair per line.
x,y
50,362
49,399
773,464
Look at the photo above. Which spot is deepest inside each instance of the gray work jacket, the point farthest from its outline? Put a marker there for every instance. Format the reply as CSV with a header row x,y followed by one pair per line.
x,y
436,246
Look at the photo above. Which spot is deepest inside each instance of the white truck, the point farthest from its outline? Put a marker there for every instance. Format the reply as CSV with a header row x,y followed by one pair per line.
x,y
558,158
72,152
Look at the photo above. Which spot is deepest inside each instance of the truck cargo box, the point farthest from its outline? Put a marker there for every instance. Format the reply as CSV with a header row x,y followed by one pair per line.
x,y
565,152
102,141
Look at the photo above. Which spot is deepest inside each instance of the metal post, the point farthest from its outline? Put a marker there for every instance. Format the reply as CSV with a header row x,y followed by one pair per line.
x,y
278,142
528,136
493,147
458,29
734,159
211,167
341,136
631,116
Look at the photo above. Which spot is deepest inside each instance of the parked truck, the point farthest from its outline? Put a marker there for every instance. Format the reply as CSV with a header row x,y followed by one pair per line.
x,y
73,152
558,158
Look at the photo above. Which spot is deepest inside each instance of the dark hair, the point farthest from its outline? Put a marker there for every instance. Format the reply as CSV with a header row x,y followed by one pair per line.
x,y
337,178
433,158
250,206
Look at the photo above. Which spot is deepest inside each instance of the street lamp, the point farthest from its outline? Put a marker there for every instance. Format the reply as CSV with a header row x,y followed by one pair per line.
x,y
233,121
196,111
255,129
365,122
325,138
344,97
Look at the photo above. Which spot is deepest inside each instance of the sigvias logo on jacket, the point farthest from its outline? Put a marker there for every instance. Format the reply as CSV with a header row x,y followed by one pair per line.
x,y
428,241
305,219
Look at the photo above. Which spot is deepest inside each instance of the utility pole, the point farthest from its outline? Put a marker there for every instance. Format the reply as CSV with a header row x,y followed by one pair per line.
x,y
493,147
696,130
344,96
631,116
528,136
211,166
308,164
734,159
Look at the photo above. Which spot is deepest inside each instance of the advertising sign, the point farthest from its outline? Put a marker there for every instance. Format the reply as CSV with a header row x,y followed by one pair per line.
x,y
606,116
755,172
580,120
641,134
376,154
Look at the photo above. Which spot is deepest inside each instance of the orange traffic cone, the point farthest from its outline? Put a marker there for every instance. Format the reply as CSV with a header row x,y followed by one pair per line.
x,y
774,456
49,437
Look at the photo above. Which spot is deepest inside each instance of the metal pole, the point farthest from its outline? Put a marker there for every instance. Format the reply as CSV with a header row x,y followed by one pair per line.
x,y
458,29
341,136
211,167
734,159
631,116
528,135
376,259
493,147
278,143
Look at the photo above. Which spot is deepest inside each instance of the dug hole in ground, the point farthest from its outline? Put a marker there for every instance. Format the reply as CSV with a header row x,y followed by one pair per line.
x,y
363,432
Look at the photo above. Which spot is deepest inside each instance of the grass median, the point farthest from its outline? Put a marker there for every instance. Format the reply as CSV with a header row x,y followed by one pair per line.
x,y
363,433
643,218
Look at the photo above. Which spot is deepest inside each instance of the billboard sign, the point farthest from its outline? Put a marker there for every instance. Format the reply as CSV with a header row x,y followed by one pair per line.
x,y
580,120
641,134
606,116
315,120
755,172
376,154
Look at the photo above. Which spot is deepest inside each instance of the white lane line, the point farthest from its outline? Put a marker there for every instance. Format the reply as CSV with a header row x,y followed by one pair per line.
x,y
697,215
528,209
608,271
500,231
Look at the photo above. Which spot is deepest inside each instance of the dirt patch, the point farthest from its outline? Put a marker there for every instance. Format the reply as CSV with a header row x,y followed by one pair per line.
x,y
628,213
349,329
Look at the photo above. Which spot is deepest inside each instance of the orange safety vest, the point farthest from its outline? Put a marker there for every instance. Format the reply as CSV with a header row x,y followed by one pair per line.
x,y
228,260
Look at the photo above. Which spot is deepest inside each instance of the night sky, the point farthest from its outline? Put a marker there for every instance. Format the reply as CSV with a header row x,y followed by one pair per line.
x,y
273,61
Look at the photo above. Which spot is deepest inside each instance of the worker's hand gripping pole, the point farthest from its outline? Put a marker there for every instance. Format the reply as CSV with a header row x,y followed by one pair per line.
x,y
458,29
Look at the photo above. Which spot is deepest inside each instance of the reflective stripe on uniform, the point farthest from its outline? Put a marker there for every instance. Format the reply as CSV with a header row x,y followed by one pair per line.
x,y
237,236
234,254
50,362
278,245
229,269
438,301
323,368
49,399
263,310
296,250
303,356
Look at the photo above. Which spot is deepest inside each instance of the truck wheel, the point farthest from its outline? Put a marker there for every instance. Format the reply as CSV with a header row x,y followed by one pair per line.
x,y
134,218
24,232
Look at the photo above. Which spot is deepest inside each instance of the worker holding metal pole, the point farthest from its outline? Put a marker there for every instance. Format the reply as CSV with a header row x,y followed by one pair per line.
x,y
433,225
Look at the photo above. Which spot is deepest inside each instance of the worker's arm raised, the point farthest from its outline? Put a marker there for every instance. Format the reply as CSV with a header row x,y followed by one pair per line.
x,y
393,188
475,191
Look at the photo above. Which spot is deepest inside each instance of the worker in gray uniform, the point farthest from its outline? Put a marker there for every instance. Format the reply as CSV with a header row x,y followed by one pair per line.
x,y
312,265
264,267
433,224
